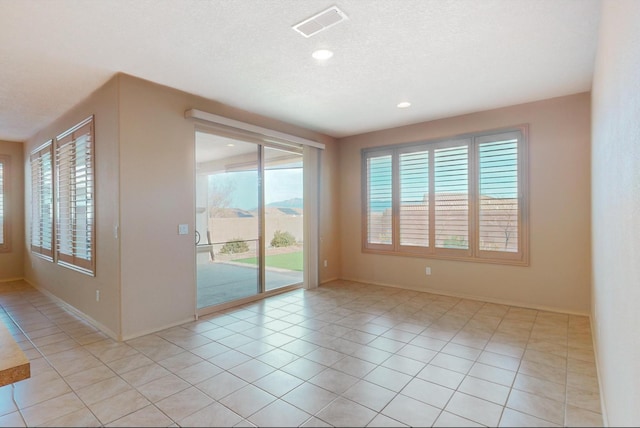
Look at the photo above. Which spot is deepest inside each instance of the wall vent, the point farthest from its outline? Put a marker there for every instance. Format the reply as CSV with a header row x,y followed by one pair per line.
x,y
320,22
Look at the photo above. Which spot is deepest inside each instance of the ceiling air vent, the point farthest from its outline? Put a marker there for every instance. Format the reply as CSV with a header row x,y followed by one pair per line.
x,y
320,21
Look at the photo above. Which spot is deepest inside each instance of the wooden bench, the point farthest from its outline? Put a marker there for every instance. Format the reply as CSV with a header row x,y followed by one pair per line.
x,y
14,365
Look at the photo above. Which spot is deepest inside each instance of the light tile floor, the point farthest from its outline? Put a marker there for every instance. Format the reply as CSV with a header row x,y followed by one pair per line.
x,y
346,354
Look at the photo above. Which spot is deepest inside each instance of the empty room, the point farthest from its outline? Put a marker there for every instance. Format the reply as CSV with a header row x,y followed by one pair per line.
x,y
309,213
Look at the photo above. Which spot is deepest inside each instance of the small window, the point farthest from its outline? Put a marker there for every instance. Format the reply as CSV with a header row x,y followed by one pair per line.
x,y
379,203
414,198
498,204
75,208
458,198
42,201
451,196
5,231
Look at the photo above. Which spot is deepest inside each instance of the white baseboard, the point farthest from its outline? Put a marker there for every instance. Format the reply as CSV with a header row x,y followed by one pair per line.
x,y
329,280
11,280
603,406
76,311
155,330
474,297
98,324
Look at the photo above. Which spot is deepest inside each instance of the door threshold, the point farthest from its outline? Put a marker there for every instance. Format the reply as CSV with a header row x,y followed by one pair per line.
x,y
222,306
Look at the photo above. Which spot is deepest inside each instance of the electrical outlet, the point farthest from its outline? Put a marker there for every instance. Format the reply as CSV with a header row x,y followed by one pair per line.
x,y
97,295
427,270
183,229
325,263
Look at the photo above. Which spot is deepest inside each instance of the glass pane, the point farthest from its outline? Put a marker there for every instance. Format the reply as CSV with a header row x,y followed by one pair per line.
x,y
283,218
498,177
1,203
379,200
64,185
452,197
42,202
414,198
226,219
46,201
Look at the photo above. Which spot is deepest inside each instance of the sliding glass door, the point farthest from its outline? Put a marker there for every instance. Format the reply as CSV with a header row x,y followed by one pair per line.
x,y
283,218
248,218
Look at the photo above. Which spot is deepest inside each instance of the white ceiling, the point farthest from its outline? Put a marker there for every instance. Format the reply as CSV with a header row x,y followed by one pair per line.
x,y
447,57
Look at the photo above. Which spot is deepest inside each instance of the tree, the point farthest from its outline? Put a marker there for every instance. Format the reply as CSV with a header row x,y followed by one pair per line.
x,y
499,215
220,196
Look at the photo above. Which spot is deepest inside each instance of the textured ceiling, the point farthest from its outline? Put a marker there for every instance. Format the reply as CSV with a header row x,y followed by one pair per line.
x,y
445,57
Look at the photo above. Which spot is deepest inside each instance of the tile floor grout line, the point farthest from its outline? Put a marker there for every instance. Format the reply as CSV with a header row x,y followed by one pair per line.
x,y
332,325
50,364
118,375
511,388
13,385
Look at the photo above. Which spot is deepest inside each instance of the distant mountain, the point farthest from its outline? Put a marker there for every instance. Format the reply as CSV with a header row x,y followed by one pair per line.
x,y
289,203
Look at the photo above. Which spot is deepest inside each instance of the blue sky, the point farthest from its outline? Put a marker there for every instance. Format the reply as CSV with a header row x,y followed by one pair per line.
x,y
498,174
279,184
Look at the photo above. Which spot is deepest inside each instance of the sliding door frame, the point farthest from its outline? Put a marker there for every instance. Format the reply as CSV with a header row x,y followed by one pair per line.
x,y
262,291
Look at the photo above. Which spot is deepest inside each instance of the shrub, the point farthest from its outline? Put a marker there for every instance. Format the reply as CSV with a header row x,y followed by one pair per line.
x,y
455,242
235,245
283,239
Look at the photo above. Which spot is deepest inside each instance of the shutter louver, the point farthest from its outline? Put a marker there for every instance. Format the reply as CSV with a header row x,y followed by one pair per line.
x,y
414,198
379,199
42,202
2,213
498,184
460,198
5,200
75,202
451,166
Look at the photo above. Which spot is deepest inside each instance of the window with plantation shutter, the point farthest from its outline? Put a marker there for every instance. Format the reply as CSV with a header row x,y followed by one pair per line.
x,y
5,235
414,198
379,203
74,170
451,190
498,188
42,201
462,198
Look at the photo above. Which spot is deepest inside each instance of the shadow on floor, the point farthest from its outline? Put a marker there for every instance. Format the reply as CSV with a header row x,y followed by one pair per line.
x,y
221,282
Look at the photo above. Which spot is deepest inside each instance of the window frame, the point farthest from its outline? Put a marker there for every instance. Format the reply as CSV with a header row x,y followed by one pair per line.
x,y
473,253
5,245
71,259
36,200
377,247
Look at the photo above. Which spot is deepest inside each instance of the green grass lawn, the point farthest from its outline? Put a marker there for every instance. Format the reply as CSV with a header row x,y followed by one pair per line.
x,y
291,261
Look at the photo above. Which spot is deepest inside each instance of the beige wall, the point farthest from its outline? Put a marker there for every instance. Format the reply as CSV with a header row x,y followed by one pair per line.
x,y
157,164
330,235
145,172
12,262
77,289
156,194
558,277
616,211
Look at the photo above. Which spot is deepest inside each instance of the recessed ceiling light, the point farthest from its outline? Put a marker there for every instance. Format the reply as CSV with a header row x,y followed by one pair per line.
x,y
230,145
322,54
404,104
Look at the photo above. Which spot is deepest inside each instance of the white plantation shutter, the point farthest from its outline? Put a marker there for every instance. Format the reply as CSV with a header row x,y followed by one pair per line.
x,y
414,198
75,246
379,199
499,210
462,198
42,201
451,190
4,220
